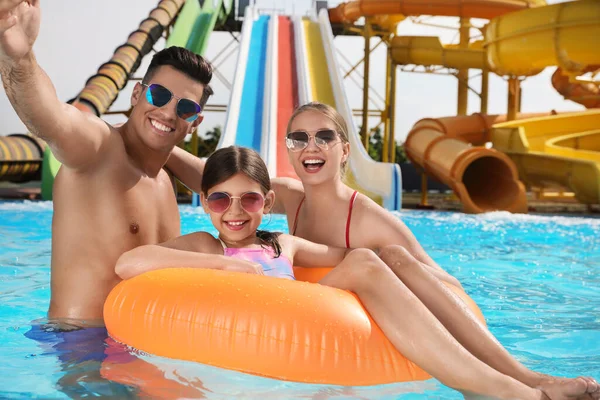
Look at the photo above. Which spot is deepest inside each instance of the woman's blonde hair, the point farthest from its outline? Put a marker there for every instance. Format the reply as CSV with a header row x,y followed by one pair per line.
x,y
341,127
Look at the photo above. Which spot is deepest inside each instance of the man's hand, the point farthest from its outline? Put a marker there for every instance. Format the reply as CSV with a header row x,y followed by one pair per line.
x,y
247,267
19,27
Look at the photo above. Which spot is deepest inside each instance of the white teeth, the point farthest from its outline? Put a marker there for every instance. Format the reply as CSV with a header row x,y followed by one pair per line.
x,y
160,126
235,223
314,162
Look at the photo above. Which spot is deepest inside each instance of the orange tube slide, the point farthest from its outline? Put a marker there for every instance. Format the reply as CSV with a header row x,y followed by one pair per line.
x,y
283,329
586,94
483,179
486,9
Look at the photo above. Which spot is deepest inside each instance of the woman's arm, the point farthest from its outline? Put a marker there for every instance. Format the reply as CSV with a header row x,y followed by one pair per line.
x,y
309,254
190,251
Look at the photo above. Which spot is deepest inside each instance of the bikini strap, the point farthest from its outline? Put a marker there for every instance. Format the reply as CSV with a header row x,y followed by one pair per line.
x,y
222,243
296,217
352,200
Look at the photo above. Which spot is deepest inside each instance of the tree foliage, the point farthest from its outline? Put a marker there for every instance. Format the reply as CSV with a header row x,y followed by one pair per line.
x,y
207,144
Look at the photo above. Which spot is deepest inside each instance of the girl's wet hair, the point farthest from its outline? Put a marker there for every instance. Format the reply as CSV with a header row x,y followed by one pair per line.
x,y
227,162
341,127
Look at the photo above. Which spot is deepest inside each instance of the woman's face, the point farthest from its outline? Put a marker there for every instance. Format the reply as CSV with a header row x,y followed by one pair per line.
x,y
315,165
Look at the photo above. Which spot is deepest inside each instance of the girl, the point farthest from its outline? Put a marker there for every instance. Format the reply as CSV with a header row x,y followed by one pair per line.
x,y
236,193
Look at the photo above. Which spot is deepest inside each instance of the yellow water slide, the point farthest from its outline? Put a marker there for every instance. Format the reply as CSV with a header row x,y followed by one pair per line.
x,y
484,179
320,87
558,151
522,38
319,79
561,150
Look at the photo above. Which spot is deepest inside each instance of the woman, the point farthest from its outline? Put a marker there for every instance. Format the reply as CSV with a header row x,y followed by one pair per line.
x,y
322,209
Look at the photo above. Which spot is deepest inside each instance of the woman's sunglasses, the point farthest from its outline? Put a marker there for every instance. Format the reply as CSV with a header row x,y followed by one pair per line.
x,y
220,202
159,96
298,140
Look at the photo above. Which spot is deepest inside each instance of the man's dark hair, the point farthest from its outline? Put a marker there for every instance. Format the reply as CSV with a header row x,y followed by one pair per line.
x,y
191,64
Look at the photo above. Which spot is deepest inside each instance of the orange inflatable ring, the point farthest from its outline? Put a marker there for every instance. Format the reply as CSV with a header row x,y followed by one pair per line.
x,y
288,330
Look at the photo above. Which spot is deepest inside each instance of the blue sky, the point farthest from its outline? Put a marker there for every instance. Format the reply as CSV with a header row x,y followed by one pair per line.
x,y
75,40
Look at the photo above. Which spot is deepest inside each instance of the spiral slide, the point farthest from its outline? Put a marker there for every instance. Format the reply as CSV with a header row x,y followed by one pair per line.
x,y
560,151
555,151
522,38
23,158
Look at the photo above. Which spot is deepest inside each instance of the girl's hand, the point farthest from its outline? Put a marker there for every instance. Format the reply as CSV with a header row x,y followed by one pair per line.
x,y
247,267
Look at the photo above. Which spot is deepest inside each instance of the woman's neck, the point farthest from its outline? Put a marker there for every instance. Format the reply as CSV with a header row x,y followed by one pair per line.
x,y
326,192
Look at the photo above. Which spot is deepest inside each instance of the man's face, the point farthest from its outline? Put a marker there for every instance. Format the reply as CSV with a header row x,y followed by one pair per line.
x,y
161,128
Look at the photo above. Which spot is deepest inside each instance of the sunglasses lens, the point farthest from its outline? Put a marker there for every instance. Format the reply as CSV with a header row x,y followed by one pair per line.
x,y
252,202
158,95
297,140
325,136
218,202
188,110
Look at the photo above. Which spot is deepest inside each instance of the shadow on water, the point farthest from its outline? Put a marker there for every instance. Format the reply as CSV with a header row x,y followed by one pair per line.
x,y
94,365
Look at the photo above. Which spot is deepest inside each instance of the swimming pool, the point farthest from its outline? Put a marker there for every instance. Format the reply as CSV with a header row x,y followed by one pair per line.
x,y
536,278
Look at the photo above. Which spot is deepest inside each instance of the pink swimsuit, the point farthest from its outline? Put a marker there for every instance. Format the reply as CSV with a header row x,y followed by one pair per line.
x,y
279,267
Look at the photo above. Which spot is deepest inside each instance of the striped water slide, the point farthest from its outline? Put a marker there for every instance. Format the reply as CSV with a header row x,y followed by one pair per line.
x,y
287,93
319,79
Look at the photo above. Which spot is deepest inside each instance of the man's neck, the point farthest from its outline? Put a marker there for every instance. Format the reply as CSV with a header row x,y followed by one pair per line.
x,y
148,160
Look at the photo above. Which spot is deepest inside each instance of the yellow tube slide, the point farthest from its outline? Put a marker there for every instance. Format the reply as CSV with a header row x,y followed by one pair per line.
x,y
486,9
525,42
520,40
558,151
20,158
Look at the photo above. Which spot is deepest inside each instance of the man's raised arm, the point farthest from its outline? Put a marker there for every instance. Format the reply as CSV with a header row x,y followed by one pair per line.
x,y
187,168
74,137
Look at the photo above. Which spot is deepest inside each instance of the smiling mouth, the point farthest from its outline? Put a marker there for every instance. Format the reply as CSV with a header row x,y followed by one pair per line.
x,y
162,128
313,165
235,225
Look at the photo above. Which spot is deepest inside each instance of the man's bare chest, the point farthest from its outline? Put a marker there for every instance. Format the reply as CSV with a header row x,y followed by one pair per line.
x,y
150,214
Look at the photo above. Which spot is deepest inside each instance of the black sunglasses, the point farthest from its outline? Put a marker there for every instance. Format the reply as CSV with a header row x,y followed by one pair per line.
x,y
159,96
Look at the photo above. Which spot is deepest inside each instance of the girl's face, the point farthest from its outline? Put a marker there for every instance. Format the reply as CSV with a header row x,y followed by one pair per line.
x,y
315,165
247,205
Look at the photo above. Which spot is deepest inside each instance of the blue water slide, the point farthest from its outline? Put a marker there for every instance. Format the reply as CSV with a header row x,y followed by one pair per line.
x,y
250,122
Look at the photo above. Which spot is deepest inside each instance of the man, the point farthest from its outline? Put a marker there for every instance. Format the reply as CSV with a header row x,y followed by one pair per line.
x,y
112,193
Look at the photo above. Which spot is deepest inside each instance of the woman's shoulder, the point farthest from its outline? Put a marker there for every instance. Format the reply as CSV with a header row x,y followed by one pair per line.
x,y
284,238
368,214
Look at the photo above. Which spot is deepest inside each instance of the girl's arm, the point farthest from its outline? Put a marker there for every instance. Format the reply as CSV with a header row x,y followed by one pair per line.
x,y
196,250
309,254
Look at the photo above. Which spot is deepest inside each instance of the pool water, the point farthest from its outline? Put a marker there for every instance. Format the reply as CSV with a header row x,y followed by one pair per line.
x,y
536,279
